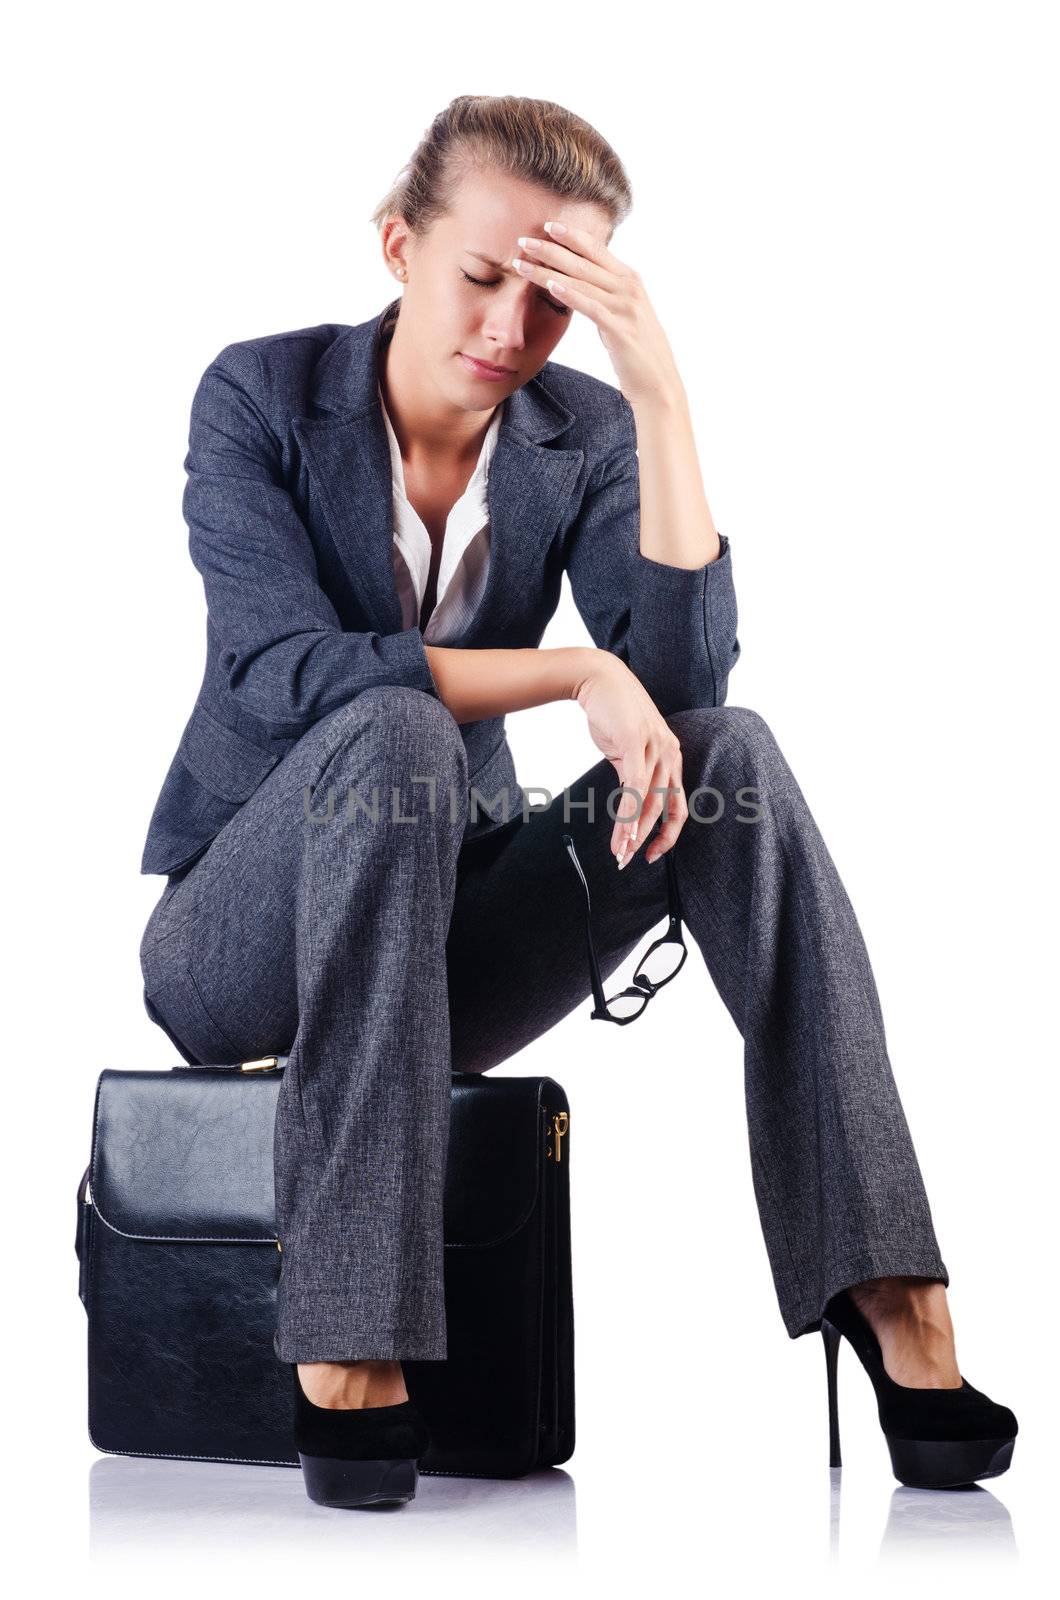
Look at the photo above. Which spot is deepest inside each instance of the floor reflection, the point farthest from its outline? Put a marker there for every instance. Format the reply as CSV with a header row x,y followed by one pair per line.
x,y
142,1506
920,1522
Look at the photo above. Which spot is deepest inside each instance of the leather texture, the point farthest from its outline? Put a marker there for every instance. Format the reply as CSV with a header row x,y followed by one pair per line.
x,y
176,1242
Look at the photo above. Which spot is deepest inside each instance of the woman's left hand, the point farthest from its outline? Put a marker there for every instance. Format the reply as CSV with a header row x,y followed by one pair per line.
x,y
579,271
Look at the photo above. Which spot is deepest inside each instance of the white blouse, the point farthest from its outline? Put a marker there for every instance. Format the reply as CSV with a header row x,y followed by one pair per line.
x,y
465,557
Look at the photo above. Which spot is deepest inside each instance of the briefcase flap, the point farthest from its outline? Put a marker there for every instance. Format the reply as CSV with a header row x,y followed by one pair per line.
x,y
188,1154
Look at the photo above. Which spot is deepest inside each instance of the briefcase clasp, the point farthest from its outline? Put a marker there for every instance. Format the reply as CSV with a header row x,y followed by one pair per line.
x,y
560,1124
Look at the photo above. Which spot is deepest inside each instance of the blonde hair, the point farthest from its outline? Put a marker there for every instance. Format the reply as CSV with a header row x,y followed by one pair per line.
x,y
535,140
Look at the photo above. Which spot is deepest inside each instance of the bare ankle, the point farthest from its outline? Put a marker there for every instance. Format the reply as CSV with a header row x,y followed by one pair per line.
x,y
911,1319
919,1302
352,1385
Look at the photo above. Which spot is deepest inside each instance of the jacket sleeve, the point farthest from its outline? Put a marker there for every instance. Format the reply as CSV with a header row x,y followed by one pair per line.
x,y
674,627
281,644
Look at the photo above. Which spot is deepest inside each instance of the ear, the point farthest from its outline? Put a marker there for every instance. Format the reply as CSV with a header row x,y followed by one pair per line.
x,y
395,234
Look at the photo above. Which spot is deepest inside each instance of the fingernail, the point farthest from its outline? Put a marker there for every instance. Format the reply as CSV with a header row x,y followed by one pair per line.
x,y
556,227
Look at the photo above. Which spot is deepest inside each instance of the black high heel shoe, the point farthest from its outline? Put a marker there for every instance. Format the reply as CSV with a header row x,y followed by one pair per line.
x,y
938,1438
358,1458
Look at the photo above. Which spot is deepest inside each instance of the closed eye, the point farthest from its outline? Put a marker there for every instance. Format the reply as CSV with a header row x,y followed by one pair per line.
x,y
491,283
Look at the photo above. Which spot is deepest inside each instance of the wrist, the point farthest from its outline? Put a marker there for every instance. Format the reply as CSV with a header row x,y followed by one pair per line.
x,y
588,666
668,397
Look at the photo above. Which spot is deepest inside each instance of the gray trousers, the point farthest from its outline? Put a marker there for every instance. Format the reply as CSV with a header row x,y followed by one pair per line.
x,y
383,954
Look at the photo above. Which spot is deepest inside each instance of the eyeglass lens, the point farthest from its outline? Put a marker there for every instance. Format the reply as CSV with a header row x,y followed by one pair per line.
x,y
661,963
627,1004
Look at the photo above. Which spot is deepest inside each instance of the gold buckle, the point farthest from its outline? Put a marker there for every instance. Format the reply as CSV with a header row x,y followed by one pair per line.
x,y
265,1064
560,1124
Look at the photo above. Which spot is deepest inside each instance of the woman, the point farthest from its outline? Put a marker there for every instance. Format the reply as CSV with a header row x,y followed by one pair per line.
x,y
382,515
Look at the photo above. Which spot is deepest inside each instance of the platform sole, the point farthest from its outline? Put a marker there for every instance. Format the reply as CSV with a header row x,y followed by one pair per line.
x,y
948,1464
353,1484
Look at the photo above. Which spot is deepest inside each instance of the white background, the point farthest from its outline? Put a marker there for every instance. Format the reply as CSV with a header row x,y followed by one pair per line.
x,y
844,215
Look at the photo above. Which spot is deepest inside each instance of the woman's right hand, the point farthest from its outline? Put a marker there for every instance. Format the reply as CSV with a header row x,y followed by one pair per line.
x,y
627,726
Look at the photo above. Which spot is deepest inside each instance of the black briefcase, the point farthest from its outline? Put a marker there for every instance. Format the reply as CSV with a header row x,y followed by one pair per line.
x,y
179,1266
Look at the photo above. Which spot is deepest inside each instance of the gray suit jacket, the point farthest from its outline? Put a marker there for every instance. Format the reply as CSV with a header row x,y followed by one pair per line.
x,y
288,506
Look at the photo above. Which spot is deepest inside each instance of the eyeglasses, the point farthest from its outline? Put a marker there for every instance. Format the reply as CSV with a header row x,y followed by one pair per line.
x,y
661,962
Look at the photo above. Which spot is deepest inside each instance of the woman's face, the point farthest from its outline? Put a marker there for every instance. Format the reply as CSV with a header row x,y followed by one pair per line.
x,y
501,318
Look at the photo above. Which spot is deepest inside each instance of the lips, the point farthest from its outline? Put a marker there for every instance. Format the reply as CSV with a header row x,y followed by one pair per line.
x,y
489,366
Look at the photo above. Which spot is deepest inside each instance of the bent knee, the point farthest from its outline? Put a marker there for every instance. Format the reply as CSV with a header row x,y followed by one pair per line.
x,y
398,703
393,726
729,746
737,722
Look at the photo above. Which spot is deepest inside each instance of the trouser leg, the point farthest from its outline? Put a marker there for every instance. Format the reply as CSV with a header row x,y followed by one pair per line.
x,y
836,1179
839,1189
362,1131
325,940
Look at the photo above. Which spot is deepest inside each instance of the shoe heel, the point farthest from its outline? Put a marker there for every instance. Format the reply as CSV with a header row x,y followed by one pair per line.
x,y
330,1481
832,1337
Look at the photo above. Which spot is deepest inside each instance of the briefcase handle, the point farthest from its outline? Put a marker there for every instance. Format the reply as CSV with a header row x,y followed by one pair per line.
x,y
262,1064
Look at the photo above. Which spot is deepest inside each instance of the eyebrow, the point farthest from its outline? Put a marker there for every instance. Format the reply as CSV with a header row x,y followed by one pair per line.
x,y
500,265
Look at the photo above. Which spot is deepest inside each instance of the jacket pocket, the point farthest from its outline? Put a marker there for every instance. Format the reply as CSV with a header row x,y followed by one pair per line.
x,y
221,760
213,772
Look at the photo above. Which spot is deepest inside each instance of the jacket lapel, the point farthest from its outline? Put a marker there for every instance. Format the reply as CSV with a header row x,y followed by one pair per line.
x,y
345,447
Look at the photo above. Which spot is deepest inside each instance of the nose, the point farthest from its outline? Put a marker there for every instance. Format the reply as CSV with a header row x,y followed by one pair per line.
x,y
505,327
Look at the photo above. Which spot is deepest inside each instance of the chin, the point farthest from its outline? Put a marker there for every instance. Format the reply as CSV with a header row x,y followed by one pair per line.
x,y
474,395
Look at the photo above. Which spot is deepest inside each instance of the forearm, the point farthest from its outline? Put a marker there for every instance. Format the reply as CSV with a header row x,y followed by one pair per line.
x,y
676,526
487,683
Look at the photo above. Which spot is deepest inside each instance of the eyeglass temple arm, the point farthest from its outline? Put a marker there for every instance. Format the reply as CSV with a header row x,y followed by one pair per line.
x,y
677,910
599,999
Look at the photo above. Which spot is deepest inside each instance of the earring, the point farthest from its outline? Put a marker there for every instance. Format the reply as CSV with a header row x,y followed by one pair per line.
x,y
401,272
